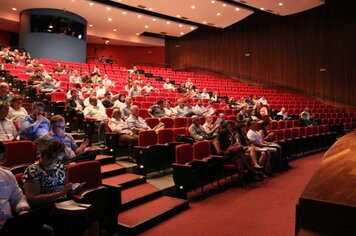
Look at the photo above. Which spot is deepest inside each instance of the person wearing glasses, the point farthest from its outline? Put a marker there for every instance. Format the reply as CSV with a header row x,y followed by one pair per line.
x,y
34,125
58,133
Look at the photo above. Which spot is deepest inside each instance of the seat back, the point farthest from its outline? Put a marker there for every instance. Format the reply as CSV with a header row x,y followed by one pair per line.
x,y
180,122
167,121
147,137
152,122
19,152
78,173
165,136
201,150
184,153
58,97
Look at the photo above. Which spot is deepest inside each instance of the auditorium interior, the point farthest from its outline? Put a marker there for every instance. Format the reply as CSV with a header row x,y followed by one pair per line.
x,y
214,117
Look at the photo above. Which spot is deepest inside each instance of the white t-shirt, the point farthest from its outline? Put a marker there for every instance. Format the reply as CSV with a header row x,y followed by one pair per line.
x,y
255,137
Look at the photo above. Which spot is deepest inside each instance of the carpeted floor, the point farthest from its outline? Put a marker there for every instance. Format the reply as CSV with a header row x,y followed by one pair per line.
x,y
262,208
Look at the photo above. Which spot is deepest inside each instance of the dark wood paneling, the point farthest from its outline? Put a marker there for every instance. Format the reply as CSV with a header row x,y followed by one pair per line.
x,y
284,51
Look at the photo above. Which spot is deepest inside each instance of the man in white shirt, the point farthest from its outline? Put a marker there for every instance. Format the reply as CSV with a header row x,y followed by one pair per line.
x,y
75,78
94,111
263,100
149,88
7,128
167,85
135,90
189,83
199,109
204,94
180,109
135,122
100,90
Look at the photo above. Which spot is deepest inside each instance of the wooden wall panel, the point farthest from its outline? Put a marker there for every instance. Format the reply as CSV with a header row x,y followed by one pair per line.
x,y
284,51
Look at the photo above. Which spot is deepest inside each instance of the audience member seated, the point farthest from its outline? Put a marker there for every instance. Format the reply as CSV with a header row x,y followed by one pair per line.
x,y
107,100
128,86
98,113
107,82
231,153
126,108
204,94
273,113
16,110
137,123
92,95
78,87
4,92
283,114
169,111
274,149
304,121
58,133
34,125
7,128
167,85
221,120
100,90
135,90
209,127
13,202
199,109
182,89
180,108
188,109
47,87
46,182
75,78
120,101
210,109
149,88
157,110
309,117
86,78
76,106
196,130
95,71
264,131
263,100
215,97
58,68
232,103
244,114
95,79
189,83
119,126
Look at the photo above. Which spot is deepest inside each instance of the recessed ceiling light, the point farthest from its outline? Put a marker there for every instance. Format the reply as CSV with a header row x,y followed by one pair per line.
x,y
137,34
218,14
281,3
154,19
192,27
193,7
237,9
108,8
224,5
114,30
180,25
204,22
107,41
146,26
91,4
178,16
150,8
212,1
181,33
139,16
90,25
124,12
261,8
14,9
168,22
109,19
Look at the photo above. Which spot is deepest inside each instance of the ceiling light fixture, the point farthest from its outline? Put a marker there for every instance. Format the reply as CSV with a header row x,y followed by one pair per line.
x,y
180,25
261,8
90,25
224,5
14,9
212,1
91,4
237,9
139,16
218,14
146,26
124,12
114,30
108,8
154,19
181,33
168,22
192,27
204,22
150,8
280,4
178,16
137,34
107,41
109,19
193,7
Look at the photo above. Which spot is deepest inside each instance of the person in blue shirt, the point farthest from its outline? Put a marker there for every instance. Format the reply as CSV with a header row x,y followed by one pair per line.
x,y
34,125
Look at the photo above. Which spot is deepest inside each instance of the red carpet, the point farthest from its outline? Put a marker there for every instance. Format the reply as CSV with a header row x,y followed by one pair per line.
x,y
263,208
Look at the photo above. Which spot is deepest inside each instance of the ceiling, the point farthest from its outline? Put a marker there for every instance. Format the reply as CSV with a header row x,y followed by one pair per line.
x,y
126,22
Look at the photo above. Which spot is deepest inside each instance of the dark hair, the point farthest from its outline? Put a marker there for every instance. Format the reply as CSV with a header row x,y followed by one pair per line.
x,y
77,85
56,118
52,150
37,104
264,124
160,101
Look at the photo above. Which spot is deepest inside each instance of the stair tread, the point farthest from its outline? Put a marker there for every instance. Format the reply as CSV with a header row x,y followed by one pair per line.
x,y
119,179
142,213
111,167
101,157
138,191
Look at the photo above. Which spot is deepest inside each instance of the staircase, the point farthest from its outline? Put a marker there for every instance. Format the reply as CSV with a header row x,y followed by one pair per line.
x,y
143,205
